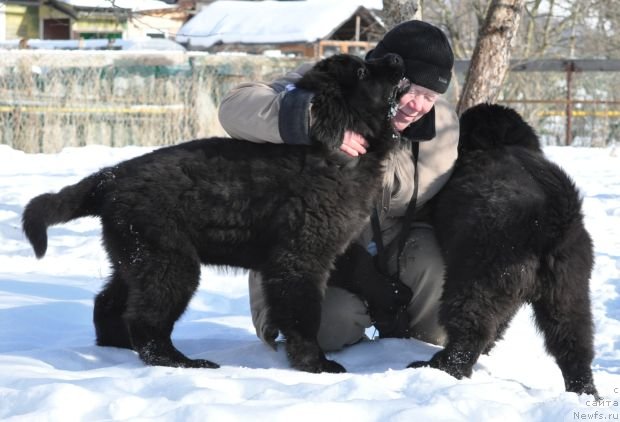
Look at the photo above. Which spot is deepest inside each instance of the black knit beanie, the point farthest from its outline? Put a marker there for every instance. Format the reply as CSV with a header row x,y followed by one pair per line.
x,y
425,50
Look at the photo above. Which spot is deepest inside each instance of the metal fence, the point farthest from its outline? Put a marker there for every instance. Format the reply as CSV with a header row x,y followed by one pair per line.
x,y
55,99
568,102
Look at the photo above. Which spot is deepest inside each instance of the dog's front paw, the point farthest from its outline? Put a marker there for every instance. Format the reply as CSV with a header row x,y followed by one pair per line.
x,y
306,355
172,358
419,364
452,363
199,363
316,366
332,367
314,361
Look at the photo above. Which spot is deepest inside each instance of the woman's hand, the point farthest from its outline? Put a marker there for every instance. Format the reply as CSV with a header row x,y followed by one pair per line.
x,y
353,144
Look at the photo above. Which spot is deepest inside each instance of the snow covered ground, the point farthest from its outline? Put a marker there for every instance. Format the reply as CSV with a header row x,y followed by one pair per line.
x,y
50,369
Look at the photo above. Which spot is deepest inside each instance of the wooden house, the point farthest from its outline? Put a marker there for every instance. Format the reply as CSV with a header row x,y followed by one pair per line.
x,y
87,19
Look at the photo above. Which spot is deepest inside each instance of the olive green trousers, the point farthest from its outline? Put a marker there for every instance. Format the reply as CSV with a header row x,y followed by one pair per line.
x,y
344,316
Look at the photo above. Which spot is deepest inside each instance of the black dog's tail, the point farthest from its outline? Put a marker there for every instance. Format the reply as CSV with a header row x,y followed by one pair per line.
x,y
71,202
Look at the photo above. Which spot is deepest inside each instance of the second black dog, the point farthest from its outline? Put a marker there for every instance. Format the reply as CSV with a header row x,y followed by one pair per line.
x,y
510,225
286,211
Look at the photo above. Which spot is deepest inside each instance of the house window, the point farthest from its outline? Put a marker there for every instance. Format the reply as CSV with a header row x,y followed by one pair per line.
x,y
56,29
101,35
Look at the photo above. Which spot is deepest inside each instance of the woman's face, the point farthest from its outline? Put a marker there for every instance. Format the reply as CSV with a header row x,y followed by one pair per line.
x,y
413,104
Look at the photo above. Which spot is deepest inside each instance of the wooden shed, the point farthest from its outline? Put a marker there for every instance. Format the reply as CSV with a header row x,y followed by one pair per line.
x,y
300,28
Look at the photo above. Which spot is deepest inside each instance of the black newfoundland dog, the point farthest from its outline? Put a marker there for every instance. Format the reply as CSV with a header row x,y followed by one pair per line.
x,y
510,225
285,211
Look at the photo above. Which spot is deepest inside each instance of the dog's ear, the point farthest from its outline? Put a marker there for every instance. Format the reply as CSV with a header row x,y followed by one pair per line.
x,y
341,70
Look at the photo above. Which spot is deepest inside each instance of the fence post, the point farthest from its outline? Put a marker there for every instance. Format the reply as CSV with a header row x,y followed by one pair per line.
x,y
570,68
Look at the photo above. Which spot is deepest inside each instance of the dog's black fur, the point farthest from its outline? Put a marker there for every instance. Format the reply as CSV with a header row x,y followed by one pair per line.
x,y
285,211
510,226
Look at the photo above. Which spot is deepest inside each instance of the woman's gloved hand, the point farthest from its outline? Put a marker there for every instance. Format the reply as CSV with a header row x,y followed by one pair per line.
x,y
386,296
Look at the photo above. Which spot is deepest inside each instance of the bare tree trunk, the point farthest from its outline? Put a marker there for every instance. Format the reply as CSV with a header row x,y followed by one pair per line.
x,y
491,57
397,11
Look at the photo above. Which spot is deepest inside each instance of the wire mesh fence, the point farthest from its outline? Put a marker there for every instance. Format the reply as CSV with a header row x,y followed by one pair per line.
x,y
55,99
594,106
542,99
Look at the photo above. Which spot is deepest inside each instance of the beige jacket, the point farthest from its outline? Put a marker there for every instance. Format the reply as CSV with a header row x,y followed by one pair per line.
x,y
251,111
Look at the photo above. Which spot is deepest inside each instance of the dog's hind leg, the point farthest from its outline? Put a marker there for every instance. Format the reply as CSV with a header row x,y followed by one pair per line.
x,y
472,311
294,293
499,335
568,338
563,315
110,305
160,289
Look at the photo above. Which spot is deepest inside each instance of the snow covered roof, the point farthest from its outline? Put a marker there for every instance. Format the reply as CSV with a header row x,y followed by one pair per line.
x,y
133,5
268,21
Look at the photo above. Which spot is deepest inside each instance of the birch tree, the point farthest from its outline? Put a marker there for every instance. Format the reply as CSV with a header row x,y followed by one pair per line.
x,y
397,11
491,58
